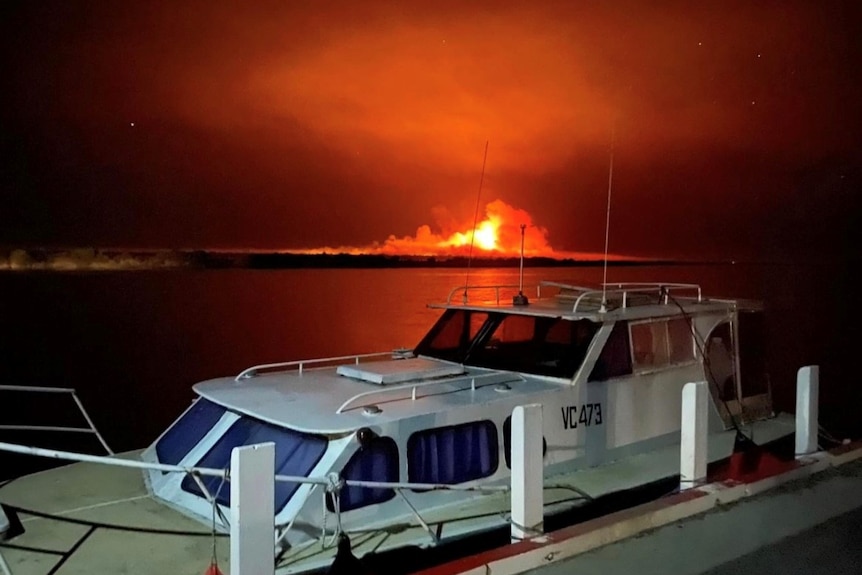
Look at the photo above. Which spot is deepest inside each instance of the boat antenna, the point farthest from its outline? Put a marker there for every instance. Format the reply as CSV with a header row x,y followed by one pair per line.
x,y
604,306
475,221
521,299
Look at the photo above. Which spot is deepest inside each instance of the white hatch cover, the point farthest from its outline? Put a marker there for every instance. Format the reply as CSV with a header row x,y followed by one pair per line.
x,y
399,370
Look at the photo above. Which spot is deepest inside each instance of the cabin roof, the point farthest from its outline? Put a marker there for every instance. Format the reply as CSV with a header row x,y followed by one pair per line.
x,y
339,395
313,400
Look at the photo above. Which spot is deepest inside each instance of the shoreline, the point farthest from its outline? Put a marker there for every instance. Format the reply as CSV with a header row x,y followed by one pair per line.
x,y
99,260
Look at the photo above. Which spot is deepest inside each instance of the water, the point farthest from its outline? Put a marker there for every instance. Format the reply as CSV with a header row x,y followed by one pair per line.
x,y
133,343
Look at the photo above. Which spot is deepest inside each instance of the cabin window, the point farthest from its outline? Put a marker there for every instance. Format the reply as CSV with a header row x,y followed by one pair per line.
x,y
507,442
187,431
454,454
649,345
679,332
375,461
451,336
295,454
529,344
615,359
719,362
657,344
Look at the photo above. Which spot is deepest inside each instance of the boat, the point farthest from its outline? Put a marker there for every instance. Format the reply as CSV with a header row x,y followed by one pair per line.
x,y
431,424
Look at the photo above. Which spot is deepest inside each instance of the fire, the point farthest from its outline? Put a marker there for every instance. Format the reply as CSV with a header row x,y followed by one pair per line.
x,y
497,235
484,237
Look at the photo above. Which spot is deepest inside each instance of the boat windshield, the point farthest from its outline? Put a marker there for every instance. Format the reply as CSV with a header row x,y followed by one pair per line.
x,y
512,342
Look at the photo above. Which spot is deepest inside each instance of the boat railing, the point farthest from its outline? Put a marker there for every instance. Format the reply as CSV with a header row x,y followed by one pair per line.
x,y
332,483
328,481
464,291
302,364
89,429
625,294
475,382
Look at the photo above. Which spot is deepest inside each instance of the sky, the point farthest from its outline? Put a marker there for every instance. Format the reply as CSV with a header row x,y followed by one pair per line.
x,y
735,127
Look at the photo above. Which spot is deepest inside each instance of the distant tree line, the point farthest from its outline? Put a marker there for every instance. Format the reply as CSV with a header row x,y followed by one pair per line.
x,y
86,259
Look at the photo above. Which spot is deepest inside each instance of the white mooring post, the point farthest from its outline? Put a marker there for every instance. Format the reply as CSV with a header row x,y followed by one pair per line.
x,y
692,453
528,472
807,398
252,513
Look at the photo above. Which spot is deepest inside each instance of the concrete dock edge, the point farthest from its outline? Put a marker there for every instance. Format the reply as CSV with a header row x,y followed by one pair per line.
x,y
572,541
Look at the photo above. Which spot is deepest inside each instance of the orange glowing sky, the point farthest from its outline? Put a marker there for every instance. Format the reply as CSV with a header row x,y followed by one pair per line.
x,y
293,126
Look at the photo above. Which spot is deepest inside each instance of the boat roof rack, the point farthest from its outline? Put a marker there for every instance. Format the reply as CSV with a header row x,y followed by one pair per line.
x,y
622,295
601,298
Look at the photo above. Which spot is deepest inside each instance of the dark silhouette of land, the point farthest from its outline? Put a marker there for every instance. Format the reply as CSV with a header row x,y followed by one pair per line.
x,y
91,259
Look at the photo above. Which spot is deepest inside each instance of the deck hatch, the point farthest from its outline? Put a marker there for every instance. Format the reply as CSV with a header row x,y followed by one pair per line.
x,y
400,370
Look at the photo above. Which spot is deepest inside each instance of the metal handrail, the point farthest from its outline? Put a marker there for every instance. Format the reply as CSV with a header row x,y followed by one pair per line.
x,y
659,286
302,363
624,291
90,429
504,378
621,290
463,290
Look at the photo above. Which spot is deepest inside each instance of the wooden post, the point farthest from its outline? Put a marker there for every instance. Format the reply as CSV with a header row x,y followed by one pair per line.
x,y
528,472
252,513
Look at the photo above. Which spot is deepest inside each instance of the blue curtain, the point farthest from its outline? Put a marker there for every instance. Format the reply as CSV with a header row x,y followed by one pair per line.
x,y
377,461
450,455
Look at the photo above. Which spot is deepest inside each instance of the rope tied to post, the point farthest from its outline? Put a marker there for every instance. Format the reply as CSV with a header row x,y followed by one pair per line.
x,y
332,493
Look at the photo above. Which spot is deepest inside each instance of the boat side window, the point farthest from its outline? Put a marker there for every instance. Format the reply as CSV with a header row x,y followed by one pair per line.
x,y
658,344
377,460
649,344
681,340
187,431
719,362
296,454
450,338
615,359
507,442
453,454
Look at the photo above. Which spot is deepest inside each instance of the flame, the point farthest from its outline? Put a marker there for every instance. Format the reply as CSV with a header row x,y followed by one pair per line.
x,y
484,237
497,235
